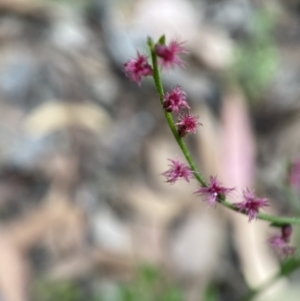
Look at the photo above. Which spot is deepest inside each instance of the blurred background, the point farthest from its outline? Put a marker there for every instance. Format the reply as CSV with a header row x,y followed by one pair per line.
x,y
85,214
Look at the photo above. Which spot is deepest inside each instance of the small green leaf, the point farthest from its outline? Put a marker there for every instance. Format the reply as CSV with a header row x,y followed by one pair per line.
x,y
162,40
289,265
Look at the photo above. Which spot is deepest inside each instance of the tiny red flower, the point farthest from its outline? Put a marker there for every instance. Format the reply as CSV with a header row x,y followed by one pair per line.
x,y
251,204
169,55
213,191
175,100
281,242
136,68
178,171
188,123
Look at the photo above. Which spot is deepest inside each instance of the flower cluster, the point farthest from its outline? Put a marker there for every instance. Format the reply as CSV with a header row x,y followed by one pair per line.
x,y
175,99
187,123
175,102
281,242
136,68
251,204
169,55
177,171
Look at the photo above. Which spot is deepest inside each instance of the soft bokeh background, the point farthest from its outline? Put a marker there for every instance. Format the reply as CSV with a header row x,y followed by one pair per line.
x,y
85,214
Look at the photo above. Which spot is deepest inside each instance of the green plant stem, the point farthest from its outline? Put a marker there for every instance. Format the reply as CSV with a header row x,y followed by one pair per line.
x,y
158,84
160,90
278,220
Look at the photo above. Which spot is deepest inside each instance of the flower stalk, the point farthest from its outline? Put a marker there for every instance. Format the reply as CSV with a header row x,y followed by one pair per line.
x,y
168,115
275,220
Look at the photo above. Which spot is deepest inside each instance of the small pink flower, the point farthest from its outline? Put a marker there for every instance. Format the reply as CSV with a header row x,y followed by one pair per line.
x,y
136,68
281,242
251,204
213,191
188,123
175,100
178,171
169,56
280,246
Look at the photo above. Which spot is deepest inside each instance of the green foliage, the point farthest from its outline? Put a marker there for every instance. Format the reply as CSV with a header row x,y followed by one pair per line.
x,y
162,40
289,266
211,294
65,291
150,285
256,59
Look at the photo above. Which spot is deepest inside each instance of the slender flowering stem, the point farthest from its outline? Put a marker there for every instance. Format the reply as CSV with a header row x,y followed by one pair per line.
x,y
160,90
222,200
278,220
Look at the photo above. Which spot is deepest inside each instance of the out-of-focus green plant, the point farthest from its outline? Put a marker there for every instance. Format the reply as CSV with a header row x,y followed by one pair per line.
x,y
256,59
53,291
211,294
150,285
